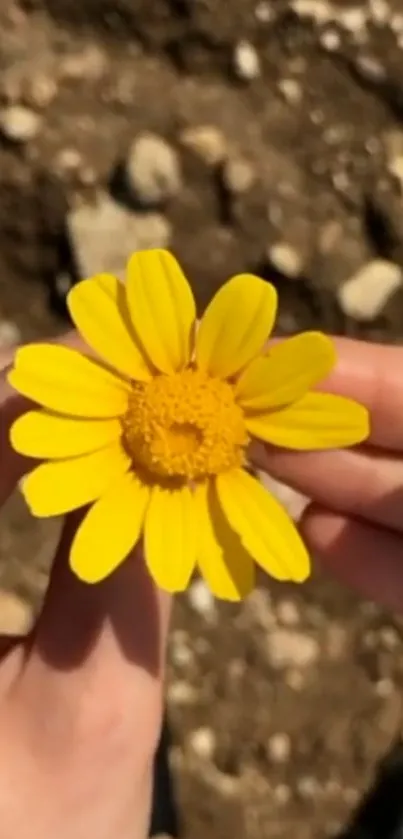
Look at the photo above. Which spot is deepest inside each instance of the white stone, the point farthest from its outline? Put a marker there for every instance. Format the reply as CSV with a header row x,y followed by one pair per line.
x,y
153,172
308,787
202,741
288,613
246,62
238,175
353,18
291,90
279,748
370,68
181,693
40,91
380,12
9,334
364,296
330,40
320,10
282,794
202,600
264,12
89,64
286,259
289,648
19,124
105,234
207,142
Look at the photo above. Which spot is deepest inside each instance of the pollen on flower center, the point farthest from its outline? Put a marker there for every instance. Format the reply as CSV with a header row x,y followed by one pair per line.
x,y
186,425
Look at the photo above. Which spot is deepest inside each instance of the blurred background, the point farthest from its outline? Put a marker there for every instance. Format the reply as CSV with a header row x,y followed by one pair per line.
x,y
258,135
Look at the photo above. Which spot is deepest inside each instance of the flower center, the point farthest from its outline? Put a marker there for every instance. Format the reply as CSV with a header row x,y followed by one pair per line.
x,y
187,426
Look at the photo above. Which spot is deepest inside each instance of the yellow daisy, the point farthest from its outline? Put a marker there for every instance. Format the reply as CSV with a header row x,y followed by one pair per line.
x,y
155,434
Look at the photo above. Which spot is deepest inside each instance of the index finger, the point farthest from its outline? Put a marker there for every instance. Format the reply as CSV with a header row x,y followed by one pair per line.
x,y
373,375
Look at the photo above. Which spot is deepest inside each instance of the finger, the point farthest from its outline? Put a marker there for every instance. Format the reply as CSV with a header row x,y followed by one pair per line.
x,y
367,558
371,374
366,483
96,663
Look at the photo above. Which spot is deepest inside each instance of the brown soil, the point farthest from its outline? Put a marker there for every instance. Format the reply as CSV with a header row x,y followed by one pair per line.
x,y
166,66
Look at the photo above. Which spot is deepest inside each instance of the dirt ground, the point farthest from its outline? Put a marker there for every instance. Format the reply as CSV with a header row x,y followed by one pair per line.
x,y
284,121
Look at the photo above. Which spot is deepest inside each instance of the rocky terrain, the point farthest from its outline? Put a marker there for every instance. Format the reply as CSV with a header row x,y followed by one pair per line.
x,y
246,135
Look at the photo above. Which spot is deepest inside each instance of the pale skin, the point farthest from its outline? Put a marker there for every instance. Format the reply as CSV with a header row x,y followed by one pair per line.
x,y
81,697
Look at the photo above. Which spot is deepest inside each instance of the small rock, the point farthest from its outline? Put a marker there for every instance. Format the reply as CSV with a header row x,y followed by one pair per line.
x,y
246,62
384,688
365,294
202,741
319,10
264,12
10,335
353,18
105,234
279,748
370,68
153,173
380,12
67,161
238,175
291,90
202,600
90,64
285,259
40,91
282,794
181,654
181,693
308,787
207,142
389,638
288,613
288,648
330,39
15,614
19,124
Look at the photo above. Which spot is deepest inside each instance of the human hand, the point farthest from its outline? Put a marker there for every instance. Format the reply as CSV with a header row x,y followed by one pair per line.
x,y
354,524
81,697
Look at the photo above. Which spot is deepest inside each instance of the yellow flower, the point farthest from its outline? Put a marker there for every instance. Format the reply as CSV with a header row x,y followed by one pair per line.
x,y
155,434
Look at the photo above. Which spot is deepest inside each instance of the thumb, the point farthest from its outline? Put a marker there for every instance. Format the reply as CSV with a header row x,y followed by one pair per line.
x,y
96,664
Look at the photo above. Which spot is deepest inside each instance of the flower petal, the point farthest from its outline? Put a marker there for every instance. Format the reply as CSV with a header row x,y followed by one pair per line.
x,y
63,485
235,325
264,527
317,421
99,310
162,308
110,530
43,435
170,537
223,561
286,373
65,381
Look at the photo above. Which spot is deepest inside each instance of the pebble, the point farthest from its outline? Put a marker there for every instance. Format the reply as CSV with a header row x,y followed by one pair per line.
x,y
67,161
308,787
246,62
288,613
364,296
264,12
282,794
238,175
181,693
330,39
385,688
285,259
202,600
89,64
291,90
104,234
389,638
40,91
19,124
279,748
207,142
320,10
288,648
153,174
202,741
370,68
15,614
380,12
9,334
